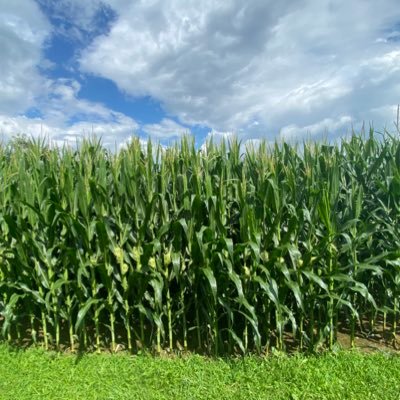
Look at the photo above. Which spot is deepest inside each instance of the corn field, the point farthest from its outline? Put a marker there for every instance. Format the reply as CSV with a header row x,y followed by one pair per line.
x,y
218,251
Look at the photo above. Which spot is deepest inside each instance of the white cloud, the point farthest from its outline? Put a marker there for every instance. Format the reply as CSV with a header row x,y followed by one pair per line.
x,y
216,138
227,64
259,68
166,129
321,129
110,133
61,103
23,31
219,136
66,117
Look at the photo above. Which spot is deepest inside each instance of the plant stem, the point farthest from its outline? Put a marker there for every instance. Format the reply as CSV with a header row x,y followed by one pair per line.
x,y
184,322
169,312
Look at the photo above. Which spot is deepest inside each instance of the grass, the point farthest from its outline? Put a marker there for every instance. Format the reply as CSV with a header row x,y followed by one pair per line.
x,y
35,374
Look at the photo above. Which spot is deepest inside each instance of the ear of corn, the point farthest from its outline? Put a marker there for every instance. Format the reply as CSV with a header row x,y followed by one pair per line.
x,y
221,250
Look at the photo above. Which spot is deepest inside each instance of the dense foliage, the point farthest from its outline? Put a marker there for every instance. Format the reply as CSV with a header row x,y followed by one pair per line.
x,y
216,250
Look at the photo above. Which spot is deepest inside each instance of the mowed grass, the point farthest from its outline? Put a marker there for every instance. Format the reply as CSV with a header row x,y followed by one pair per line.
x,y
35,374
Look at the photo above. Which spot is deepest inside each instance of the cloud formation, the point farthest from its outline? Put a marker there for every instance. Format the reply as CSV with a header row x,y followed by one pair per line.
x,y
111,133
30,102
259,69
166,129
23,31
229,64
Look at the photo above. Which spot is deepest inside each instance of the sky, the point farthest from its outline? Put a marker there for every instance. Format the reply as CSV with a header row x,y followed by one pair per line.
x,y
258,69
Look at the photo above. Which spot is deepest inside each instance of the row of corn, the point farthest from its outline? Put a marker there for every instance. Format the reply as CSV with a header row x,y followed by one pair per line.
x,y
227,249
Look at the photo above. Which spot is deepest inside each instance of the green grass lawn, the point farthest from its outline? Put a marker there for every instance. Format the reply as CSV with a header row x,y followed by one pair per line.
x,y
34,374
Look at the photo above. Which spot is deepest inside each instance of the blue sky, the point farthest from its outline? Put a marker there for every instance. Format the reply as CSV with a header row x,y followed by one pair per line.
x,y
259,69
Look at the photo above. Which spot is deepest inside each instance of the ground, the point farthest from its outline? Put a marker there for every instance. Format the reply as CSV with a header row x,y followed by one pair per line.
x,y
35,374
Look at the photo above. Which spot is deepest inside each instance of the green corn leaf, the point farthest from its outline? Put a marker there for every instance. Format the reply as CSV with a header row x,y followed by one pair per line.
x,y
209,274
316,279
83,311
